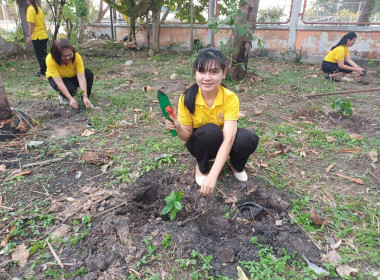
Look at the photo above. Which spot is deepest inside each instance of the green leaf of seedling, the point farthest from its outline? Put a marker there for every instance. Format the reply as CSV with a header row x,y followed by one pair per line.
x,y
173,213
179,195
178,205
167,208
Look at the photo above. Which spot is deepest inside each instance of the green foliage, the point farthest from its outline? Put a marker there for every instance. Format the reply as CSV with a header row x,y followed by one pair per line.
x,y
343,106
182,9
269,266
133,9
244,30
166,241
75,14
173,204
273,14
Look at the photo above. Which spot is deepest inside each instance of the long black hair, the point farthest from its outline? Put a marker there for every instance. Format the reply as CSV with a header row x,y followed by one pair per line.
x,y
350,35
203,61
57,48
34,4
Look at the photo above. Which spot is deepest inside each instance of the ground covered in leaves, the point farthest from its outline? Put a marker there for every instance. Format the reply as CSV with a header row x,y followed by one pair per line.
x,y
82,191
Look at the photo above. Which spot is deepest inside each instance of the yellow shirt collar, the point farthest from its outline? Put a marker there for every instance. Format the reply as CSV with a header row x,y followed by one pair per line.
x,y
199,100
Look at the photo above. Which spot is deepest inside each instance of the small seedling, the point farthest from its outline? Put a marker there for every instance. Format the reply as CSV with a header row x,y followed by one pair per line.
x,y
343,106
173,204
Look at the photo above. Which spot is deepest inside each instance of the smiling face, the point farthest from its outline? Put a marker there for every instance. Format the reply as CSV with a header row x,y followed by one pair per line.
x,y
67,55
351,42
209,78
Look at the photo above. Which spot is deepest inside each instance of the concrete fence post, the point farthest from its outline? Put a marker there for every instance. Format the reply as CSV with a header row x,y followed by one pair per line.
x,y
293,25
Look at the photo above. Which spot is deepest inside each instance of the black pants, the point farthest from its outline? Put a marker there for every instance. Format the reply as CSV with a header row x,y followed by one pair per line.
x,y
40,48
331,68
72,84
207,139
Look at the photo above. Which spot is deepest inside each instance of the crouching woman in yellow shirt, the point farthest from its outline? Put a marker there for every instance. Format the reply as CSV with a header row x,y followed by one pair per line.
x,y
338,61
207,120
66,72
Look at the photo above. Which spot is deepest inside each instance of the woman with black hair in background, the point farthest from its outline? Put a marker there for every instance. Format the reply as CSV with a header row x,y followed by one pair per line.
x,y
339,61
37,34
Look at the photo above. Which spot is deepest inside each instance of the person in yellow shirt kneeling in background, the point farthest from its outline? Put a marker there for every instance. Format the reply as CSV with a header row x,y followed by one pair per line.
x,y
338,61
66,72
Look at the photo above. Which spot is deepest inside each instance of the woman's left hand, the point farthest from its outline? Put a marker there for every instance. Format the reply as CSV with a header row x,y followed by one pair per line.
x,y
86,101
208,185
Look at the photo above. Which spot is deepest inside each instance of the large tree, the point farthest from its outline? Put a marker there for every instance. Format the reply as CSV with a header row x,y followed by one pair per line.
x,y
133,9
102,11
240,43
22,7
367,9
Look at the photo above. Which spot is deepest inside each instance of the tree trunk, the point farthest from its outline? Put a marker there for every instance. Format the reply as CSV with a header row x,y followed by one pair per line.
x,y
165,15
156,12
5,109
241,44
147,28
102,12
366,11
22,7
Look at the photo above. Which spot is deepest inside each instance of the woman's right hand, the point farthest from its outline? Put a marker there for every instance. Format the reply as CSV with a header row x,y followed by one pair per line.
x,y
73,103
359,70
172,125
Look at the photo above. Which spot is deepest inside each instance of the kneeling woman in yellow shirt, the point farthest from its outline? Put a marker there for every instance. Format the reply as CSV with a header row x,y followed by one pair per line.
x,y
207,120
339,61
66,72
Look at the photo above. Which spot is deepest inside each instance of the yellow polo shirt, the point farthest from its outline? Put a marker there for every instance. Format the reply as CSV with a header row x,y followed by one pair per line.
x,y
39,31
225,108
337,54
64,71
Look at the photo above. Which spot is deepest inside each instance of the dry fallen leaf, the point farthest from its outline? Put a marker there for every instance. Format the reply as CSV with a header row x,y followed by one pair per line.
x,y
136,110
330,167
332,257
242,274
372,154
231,199
5,241
337,245
3,167
241,114
330,139
316,220
355,136
88,132
17,175
258,112
345,270
21,254
358,181
155,73
70,199
350,151
105,167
